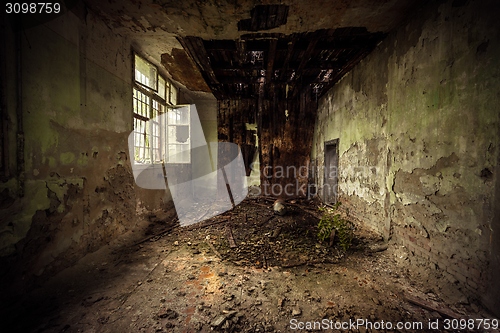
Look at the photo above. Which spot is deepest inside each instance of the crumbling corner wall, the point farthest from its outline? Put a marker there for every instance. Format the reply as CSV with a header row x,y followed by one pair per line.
x,y
73,190
421,111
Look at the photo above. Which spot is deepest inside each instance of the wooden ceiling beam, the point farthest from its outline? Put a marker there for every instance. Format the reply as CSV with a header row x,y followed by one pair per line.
x,y
220,44
239,79
290,48
196,50
300,59
271,56
346,68
305,59
241,51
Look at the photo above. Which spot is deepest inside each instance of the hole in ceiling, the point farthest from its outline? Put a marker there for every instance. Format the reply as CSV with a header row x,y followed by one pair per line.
x,y
264,17
256,57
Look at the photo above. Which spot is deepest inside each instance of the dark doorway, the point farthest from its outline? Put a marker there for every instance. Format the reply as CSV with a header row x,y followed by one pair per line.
x,y
331,171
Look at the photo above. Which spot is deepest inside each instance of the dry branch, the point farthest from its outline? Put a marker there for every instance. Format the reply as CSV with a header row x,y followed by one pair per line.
x,y
269,218
230,238
431,306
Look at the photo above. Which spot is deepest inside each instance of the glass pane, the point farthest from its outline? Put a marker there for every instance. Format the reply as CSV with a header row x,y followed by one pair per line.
x,y
161,87
145,73
184,116
168,86
178,116
171,134
173,95
141,103
172,116
178,154
184,158
172,153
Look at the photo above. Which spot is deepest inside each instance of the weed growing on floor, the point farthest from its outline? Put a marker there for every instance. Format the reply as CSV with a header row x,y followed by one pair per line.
x,y
331,224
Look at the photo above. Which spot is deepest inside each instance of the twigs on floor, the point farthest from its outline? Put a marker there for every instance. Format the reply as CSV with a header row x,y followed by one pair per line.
x,y
308,263
160,234
207,223
432,306
214,249
269,218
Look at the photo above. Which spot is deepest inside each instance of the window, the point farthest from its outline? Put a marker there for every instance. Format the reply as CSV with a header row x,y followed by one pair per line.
x,y
178,136
161,131
145,73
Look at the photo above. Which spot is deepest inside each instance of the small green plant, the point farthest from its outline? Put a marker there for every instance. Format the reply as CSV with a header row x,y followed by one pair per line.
x,y
331,224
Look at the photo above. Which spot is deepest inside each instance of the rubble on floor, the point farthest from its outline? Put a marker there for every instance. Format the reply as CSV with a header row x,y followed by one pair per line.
x,y
247,270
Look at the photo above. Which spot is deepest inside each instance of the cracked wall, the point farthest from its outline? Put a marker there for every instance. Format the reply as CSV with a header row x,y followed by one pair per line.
x,y
75,191
418,127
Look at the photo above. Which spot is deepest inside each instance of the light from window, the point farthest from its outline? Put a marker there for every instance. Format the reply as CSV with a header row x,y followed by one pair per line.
x,y
161,87
141,128
145,73
178,136
159,136
173,95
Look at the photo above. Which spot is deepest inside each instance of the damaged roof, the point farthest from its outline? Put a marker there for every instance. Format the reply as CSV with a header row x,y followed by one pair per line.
x,y
240,48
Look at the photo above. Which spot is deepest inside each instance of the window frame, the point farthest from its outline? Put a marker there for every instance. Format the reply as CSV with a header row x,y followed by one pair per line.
x,y
155,139
157,75
154,106
178,144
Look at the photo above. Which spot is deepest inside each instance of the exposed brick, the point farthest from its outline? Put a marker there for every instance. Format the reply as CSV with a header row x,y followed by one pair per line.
x,y
463,267
474,273
472,284
453,271
425,244
404,242
450,277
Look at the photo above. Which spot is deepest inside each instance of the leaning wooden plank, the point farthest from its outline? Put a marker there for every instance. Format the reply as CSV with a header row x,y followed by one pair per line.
x,y
269,218
431,306
230,238
314,213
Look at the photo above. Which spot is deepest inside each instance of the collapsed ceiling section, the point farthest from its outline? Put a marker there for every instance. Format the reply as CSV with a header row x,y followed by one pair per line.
x,y
265,17
267,63
256,63
295,43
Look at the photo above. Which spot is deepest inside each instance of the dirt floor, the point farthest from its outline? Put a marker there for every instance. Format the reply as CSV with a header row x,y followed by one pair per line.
x,y
275,277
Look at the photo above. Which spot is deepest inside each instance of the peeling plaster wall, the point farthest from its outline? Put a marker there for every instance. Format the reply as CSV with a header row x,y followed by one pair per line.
x,y
79,192
418,126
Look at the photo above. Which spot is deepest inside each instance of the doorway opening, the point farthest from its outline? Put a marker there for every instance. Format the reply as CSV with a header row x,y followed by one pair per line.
x,y
330,184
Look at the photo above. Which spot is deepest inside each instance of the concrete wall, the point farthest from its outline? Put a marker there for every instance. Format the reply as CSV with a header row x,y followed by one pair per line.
x,y
418,127
75,191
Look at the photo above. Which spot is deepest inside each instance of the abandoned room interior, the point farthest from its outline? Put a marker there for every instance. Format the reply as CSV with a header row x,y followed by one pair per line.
x,y
250,166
